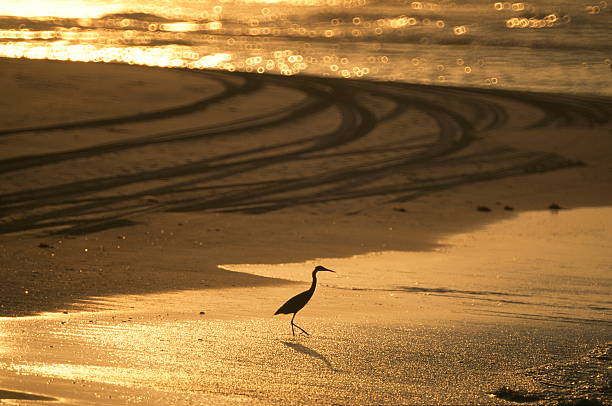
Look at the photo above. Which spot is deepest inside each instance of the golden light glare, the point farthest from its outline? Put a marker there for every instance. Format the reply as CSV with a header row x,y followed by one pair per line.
x,y
166,34
549,21
166,57
460,30
182,27
67,9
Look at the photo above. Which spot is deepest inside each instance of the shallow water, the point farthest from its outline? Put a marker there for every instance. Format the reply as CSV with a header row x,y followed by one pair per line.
x,y
150,355
559,46
557,271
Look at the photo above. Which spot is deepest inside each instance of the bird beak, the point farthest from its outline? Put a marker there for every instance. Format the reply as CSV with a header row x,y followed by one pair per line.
x,y
329,270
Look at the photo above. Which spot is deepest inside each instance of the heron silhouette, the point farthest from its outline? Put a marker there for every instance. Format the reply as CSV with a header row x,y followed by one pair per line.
x,y
297,302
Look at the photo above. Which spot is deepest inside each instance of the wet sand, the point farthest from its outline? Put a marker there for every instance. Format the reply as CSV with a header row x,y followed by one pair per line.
x,y
123,189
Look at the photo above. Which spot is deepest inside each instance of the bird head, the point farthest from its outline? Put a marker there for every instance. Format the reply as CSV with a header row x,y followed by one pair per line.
x,y
320,268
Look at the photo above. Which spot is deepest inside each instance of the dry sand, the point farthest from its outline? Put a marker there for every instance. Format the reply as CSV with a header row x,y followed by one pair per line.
x,y
124,189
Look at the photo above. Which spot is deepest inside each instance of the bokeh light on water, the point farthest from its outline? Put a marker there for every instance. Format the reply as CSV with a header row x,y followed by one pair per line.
x,y
543,45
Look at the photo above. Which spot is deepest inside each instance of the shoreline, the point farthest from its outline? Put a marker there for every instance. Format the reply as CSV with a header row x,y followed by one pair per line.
x,y
120,226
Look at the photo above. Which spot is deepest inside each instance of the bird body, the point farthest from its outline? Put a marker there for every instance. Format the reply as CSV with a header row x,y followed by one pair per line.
x,y
297,302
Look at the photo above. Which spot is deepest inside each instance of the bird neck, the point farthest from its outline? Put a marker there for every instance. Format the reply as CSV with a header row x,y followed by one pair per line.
x,y
314,282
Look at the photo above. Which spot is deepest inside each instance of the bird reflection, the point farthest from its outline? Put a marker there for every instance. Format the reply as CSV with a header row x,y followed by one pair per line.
x,y
297,302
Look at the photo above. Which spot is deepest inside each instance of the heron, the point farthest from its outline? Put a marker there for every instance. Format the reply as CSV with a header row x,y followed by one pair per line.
x,y
297,302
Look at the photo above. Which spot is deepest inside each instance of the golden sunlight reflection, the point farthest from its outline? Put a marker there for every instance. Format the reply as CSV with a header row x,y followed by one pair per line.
x,y
74,372
550,20
165,56
285,62
171,356
68,9
352,39
5,345
187,26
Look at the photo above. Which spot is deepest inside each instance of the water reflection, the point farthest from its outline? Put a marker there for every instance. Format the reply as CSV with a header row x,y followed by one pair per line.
x,y
166,57
180,361
58,8
561,44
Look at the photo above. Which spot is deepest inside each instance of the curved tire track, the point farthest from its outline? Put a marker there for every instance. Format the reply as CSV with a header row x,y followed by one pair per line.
x,y
394,165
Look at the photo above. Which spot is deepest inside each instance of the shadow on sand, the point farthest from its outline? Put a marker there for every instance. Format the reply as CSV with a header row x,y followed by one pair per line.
x,y
69,289
7,394
311,353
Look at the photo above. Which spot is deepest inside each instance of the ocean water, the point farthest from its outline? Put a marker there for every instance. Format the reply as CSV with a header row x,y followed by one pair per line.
x,y
552,46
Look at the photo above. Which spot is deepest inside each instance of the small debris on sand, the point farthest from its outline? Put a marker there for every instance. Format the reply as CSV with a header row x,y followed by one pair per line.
x,y
400,209
483,208
202,313
43,245
508,208
555,206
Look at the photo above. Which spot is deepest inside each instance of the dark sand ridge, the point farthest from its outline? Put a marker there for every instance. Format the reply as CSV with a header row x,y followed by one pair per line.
x,y
6,394
325,159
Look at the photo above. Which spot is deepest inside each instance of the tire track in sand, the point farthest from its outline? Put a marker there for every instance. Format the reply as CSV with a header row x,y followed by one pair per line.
x,y
283,158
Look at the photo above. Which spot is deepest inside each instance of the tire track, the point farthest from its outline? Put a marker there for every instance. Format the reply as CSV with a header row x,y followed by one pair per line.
x,y
230,90
358,158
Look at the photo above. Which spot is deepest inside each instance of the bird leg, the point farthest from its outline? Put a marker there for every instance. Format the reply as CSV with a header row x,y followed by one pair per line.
x,y
303,331
293,324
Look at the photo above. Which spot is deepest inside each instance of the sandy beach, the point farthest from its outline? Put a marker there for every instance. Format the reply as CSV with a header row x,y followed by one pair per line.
x,y
152,221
